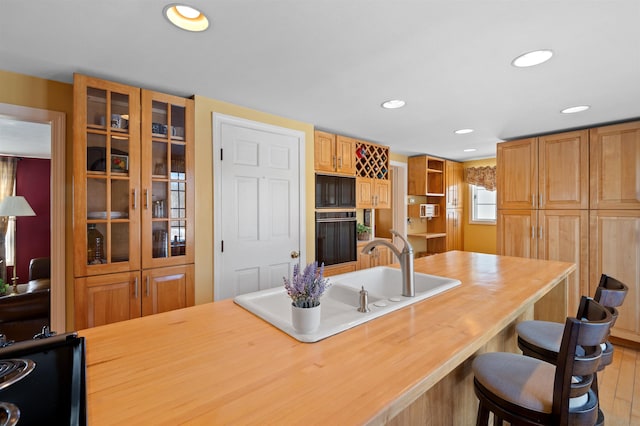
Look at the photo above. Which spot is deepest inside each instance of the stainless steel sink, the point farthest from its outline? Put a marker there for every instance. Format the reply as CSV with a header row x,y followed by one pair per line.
x,y
341,300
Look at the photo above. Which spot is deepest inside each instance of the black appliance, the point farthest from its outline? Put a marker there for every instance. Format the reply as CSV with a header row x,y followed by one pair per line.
x,y
335,237
335,192
54,392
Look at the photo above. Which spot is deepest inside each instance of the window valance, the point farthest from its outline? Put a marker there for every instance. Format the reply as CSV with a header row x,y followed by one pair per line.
x,y
481,176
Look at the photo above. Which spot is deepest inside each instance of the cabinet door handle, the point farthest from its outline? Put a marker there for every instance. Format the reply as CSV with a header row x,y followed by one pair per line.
x,y
334,162
533,200
540,233
339,162
135,287
147,286
134,201
146,199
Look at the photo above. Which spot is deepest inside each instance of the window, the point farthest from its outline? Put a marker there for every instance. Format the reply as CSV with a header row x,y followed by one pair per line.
x,y
483,205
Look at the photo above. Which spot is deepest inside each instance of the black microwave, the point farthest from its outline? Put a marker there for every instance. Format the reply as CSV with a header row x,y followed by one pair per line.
x,y
335,192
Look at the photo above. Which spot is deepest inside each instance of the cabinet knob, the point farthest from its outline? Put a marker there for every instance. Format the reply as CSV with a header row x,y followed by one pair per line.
x,y
295,254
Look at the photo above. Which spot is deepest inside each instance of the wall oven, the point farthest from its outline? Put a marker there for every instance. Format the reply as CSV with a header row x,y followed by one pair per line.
x,y
335,237
335,192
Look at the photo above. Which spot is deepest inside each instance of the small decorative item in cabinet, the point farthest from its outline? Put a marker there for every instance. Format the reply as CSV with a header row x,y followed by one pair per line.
x,y
119,163
305,291
95,244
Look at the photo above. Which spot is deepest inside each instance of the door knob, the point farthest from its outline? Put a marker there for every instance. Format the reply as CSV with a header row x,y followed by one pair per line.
x,y
295,254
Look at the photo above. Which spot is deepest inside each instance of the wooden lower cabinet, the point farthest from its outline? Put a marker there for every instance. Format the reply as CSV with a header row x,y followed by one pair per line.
x,y
166,289
340,268
105,299
454,230
380,256
561,235
615,250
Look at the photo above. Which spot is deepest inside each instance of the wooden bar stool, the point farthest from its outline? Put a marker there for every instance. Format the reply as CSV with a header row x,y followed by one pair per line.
x,y
526,391
541,339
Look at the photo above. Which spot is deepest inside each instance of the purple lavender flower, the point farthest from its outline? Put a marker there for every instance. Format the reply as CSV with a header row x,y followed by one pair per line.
x,y
305,289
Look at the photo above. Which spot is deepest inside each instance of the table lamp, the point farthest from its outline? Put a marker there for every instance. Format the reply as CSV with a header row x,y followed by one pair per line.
x,y
15,206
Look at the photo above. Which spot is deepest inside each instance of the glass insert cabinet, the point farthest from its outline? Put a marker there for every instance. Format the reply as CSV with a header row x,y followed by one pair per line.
x,y
133,226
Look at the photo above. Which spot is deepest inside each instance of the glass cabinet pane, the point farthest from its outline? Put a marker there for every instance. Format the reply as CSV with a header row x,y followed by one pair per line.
x,y
96,244
178,200
159,158
96,107
96,148
178,164
96,198
160,243
178,237
119,199
119,112
177,122
120,242
159,119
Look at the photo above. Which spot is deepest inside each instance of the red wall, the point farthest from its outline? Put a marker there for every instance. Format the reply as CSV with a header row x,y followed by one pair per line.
x,y
33,177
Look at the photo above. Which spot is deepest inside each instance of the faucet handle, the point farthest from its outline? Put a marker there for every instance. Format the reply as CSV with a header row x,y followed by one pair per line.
x,y
364,301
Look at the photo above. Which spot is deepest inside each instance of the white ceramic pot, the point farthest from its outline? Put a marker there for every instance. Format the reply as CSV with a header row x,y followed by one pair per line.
x,y
305,320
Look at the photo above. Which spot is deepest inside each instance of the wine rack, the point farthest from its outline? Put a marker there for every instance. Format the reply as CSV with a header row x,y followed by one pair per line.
x,y
372,161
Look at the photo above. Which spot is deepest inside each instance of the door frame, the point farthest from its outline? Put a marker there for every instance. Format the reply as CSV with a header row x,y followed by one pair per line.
x,y
56,120
218,121
399,202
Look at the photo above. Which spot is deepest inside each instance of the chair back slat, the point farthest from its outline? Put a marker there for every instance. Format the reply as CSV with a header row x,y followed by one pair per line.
x,y
610,292
578,361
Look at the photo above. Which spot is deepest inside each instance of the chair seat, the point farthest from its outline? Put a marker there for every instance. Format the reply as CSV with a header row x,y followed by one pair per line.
x,y
542,334
522,381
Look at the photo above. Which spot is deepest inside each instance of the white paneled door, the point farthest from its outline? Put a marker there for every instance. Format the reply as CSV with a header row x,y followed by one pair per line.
x,y
258,205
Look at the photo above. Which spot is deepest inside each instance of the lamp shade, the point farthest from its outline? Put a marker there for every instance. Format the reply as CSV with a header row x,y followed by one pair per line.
x,y
15,206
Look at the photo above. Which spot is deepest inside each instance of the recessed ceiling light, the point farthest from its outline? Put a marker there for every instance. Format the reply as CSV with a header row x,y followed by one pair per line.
x,y
574,109
530,59
463,131
470,150
393,104
186,17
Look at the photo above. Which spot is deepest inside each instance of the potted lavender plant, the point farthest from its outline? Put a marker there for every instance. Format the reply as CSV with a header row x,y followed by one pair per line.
x,y
305,290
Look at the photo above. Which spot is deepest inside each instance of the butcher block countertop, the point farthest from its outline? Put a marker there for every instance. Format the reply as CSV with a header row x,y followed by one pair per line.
x,y
216,363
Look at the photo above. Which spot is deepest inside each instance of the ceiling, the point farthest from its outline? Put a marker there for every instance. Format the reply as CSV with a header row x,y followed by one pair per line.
x,y
24,138
332,63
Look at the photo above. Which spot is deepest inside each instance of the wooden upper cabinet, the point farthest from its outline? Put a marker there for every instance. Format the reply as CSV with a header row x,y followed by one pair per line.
x,y
167,176
106,176
563,171
373,193
324,152
334,154
615,166
346,155
454,178
517,174
549,172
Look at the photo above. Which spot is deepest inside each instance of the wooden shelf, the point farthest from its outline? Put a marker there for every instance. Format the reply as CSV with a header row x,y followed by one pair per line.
x,y
429,235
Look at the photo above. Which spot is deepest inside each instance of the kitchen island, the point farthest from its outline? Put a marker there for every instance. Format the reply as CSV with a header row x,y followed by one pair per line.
x,y
217,363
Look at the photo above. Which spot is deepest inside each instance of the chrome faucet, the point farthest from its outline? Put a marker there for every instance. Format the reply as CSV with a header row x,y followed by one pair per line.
x,y
405,257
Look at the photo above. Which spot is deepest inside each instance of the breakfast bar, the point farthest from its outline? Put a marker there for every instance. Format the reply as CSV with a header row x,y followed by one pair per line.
x,y
217,363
